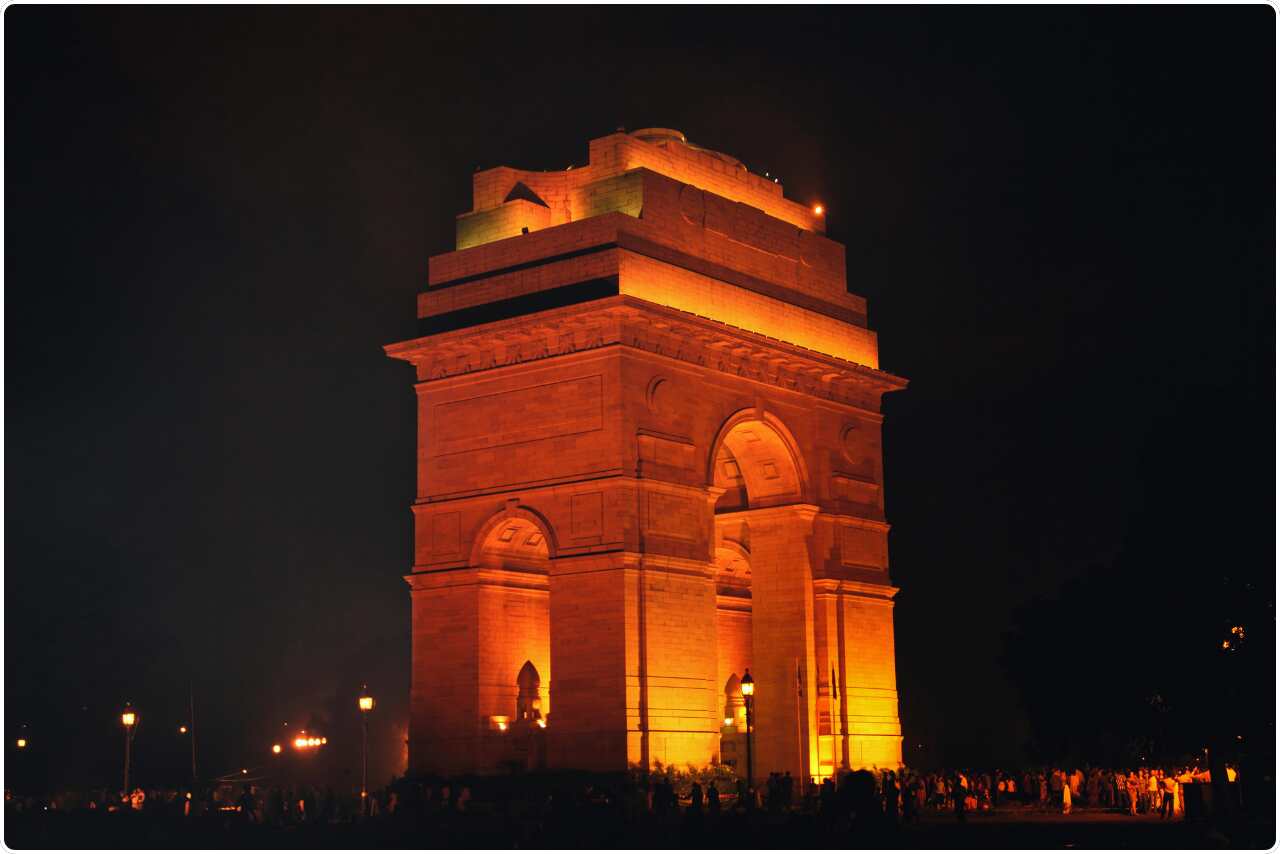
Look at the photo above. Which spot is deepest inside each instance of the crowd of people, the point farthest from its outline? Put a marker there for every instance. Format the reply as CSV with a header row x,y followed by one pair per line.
x,y
1137,791
541,810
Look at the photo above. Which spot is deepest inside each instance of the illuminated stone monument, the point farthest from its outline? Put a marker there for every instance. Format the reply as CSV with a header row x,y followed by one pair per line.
x,y
648,459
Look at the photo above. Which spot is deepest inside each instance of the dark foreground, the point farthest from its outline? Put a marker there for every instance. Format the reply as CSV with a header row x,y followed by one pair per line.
x,y
999,830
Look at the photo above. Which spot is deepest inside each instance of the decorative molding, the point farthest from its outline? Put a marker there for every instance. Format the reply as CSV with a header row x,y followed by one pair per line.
x,y
653,329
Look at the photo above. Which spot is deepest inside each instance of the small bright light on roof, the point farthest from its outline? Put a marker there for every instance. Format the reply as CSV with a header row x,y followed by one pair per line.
x,y
818,209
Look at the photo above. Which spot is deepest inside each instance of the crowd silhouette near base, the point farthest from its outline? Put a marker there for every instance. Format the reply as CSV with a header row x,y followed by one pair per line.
x,y
889,809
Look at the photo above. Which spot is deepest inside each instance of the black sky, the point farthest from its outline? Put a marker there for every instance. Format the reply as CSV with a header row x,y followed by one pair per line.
x,y
1063,219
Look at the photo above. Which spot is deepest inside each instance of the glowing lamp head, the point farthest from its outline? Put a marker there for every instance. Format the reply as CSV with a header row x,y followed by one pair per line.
x,y
182,729
748,684
299,743
275,748
22,743
366,701
128,717
819,210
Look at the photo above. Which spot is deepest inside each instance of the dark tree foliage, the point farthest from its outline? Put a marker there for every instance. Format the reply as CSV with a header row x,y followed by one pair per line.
x,y
1128,662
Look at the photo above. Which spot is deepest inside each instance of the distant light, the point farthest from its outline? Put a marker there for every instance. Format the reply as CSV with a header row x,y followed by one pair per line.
x,y
502,725
128,718
22,742
275,748
299,743
728,721
324,741
244,770
182,729
365,701
818,209
542,723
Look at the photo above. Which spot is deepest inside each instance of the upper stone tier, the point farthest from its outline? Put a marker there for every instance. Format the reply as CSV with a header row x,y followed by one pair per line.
x,y
655,218
506,200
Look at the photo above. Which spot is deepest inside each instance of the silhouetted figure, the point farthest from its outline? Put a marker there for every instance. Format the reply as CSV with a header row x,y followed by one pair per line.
x,y
695,798
891,797
961,794
246,805
910,800
713,799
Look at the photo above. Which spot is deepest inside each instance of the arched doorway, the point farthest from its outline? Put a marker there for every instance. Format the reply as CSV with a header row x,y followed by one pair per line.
x,y
511,557
764,584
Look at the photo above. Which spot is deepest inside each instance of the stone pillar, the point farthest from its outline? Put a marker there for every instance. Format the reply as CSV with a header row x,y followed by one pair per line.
x,y
592,619
870,676
444,730
782,635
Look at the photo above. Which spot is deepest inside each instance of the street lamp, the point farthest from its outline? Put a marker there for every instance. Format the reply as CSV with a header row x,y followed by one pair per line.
x,y
366,706
748,692
22,744
130,719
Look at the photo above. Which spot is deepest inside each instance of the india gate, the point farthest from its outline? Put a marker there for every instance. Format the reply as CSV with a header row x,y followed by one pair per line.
x,y
649,459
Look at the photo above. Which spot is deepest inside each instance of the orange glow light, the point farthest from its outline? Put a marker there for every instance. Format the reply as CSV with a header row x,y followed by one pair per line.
x,y
128,718
299,743
542,723
182,729
818,209
22,742
275,748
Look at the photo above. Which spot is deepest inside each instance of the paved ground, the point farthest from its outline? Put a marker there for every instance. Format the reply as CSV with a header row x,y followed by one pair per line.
x,y
1004,829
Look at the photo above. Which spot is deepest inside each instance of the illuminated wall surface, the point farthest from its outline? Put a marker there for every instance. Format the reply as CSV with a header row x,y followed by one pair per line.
x,y
648,460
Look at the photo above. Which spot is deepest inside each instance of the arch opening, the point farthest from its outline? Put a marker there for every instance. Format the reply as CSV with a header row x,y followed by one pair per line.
x,y
756,463
513,542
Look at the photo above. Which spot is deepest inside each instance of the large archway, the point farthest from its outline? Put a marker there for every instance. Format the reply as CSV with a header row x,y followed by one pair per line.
x,y
764,584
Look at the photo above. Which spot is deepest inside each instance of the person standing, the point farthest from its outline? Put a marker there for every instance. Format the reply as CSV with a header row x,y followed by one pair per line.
x,y
695,798
1066,797
891,798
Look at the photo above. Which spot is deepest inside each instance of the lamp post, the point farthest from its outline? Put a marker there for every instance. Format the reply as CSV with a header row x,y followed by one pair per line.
x,y
748,692
366,706
129,718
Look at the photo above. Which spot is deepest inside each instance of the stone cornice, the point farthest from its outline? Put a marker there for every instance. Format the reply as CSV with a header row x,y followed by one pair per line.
x,y
856,521
472,576
862,589
807,512
627,321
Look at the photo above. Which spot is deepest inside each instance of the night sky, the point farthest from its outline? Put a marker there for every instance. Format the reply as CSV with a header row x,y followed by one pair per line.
x,y
1063,220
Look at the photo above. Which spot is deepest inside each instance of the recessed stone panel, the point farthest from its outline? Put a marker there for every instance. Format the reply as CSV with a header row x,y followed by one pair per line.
x,y
512,417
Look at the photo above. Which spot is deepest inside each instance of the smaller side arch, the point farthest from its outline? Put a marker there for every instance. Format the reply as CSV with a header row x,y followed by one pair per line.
x,y
785,439
526,519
